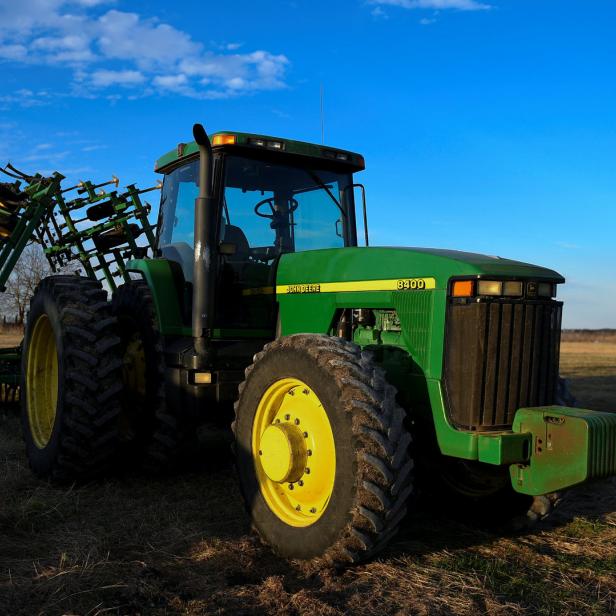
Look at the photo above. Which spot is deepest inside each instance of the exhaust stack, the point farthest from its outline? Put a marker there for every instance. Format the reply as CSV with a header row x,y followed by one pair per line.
x,y
204,265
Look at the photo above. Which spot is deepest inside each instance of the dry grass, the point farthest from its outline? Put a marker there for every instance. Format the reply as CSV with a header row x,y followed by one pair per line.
x,y
181,545
10,337
590,364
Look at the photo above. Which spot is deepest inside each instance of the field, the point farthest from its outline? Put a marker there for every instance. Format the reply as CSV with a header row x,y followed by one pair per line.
x,y
181,544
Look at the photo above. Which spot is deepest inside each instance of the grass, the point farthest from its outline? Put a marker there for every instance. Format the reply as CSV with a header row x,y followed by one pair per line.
x,y
181,545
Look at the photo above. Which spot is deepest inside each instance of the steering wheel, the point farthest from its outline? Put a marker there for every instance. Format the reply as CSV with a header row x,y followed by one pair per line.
x,y
270,202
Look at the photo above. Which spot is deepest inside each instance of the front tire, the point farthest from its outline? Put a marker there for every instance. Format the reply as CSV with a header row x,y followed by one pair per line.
x,y
71,383
321,449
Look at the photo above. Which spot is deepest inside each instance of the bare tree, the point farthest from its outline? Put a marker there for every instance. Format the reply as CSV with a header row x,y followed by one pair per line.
x,y
31,268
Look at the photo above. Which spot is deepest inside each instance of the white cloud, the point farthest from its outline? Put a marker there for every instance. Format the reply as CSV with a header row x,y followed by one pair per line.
x,y
94,148
91,3
460,5
171,81
379,13
104,78
567,245
13,52
126,36
109,48
24,97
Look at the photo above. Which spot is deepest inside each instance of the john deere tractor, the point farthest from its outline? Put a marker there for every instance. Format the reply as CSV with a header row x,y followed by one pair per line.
x,y
350,375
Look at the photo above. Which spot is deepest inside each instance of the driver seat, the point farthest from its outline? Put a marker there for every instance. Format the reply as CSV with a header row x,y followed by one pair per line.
x,y
234,235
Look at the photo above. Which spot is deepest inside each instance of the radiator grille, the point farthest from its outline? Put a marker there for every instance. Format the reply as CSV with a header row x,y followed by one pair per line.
x,y
500,356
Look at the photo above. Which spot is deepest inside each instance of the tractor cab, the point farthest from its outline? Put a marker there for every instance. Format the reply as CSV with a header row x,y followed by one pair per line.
x,y
271,197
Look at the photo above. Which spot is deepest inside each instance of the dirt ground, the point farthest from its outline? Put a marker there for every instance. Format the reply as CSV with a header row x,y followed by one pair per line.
x,y
181,545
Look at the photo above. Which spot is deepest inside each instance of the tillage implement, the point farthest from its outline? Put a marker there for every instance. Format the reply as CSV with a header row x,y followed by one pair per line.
x,y
352,377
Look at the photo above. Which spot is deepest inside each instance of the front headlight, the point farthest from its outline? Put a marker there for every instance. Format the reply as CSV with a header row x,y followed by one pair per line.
x,y
490,287
513,289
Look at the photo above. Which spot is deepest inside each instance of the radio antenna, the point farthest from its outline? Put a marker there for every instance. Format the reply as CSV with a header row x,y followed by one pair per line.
x,y
322,117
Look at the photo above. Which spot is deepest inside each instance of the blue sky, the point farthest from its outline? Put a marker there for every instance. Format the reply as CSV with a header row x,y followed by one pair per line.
x,y
486,125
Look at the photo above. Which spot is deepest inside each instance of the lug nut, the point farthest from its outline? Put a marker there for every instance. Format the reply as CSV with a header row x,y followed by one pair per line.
x,y
300,483
307,471
309,452
260,452
313,510
305,392
298,508
291,486
287,417
297,422
305,434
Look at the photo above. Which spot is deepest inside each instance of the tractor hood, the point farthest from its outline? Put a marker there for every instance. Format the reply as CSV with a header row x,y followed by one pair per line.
x,y
391,263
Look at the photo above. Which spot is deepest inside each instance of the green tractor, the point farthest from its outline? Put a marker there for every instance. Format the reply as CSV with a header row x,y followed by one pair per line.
x,y
350,375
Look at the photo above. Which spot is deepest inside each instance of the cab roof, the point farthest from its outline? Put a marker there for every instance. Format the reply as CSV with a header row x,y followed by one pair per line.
x,y
231,140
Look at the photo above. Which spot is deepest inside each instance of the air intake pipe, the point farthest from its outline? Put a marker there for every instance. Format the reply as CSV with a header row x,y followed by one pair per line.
x,y
204,265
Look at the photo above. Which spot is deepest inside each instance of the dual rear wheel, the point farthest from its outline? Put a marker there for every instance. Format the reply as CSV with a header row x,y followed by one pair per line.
x,y
93,397
71,381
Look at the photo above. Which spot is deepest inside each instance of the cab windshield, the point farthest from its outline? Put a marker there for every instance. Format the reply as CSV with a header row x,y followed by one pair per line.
x,y
267,208
282,208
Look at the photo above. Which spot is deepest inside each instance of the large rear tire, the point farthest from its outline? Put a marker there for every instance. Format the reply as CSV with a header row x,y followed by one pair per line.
x,y
321,449
153,431
71,381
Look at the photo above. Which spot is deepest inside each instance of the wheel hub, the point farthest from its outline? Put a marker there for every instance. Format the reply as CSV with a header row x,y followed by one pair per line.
x,y
283,453
294,452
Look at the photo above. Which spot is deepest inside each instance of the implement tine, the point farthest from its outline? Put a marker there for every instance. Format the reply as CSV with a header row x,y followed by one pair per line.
x,y
21,174
11,175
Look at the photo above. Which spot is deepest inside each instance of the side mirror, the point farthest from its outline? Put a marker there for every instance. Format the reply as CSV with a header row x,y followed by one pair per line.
x,y
227,248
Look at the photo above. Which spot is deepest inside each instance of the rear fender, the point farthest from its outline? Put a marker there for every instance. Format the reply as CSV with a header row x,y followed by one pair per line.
x,y
167,290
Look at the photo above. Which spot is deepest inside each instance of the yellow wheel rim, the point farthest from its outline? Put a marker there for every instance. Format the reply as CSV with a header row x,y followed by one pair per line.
x,y
42,381
134,366
294,452
134,379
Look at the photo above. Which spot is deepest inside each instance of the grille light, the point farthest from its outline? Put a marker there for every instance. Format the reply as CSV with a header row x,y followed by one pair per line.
x,y
546,289
513,289
490,287
503,288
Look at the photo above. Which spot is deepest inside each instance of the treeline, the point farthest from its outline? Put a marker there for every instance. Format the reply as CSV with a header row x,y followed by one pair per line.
x,y
586,335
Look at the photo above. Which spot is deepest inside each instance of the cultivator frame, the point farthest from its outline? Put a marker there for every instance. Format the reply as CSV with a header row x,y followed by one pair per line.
x,y
87,223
